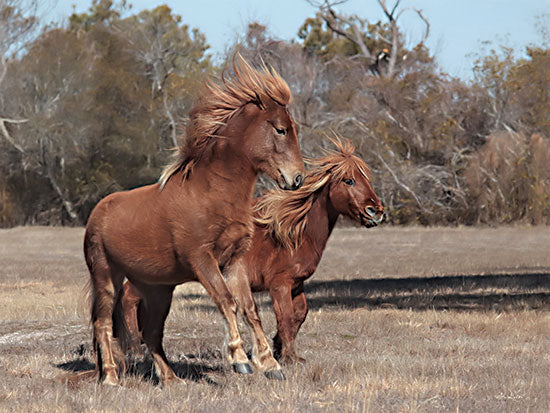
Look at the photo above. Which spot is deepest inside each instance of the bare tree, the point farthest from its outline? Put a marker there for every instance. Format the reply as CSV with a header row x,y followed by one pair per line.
x,y
165,48
17,24
348,28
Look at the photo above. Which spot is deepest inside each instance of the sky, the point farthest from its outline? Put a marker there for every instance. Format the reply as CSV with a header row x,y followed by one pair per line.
x,y
459,29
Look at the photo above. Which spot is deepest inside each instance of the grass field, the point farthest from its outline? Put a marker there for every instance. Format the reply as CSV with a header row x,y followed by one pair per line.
x,y
401,319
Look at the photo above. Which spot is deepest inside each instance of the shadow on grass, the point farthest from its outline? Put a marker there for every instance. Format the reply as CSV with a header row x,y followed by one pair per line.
x,y
468,292
457,292
144,370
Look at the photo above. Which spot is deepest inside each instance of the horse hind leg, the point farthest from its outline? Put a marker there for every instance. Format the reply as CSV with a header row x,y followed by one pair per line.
x,y
127,308
290,314
105,284
153,312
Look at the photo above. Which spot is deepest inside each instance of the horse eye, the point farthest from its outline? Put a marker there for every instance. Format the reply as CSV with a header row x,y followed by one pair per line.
x,y
349,182
281,131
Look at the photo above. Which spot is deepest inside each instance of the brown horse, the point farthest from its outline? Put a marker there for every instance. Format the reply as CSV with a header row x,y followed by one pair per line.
x,y
196,220
291,231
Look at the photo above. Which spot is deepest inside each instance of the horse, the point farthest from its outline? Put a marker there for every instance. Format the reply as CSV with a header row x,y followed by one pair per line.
x,y
195,221
290,235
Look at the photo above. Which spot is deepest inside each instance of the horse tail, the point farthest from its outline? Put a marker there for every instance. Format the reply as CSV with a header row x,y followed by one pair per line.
x,y
89,287
125,318
90,247
120,327
103,283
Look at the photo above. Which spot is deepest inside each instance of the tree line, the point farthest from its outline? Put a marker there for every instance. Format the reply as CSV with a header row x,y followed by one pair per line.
x,y
95,104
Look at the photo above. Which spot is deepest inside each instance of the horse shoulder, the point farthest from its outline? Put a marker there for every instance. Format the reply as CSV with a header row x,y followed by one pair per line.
x,y
233,241
306,261
262,260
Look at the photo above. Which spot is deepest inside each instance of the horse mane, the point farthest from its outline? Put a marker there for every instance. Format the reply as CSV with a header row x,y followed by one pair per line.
x,y
284,213
218,102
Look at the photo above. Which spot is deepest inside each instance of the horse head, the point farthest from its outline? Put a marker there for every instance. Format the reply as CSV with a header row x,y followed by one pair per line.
x,y
271,142
350,191
270,138
246,114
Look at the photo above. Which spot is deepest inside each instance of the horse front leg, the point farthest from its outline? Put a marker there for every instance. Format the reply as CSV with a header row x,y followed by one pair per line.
x,y
299,304
262,356
208,273
290,313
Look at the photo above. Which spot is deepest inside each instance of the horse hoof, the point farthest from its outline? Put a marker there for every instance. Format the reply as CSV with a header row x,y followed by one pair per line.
x,y
110,381
275,375
242,368
288,361
171,381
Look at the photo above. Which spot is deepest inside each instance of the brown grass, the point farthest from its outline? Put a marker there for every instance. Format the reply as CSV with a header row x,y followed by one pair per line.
x,y
402,319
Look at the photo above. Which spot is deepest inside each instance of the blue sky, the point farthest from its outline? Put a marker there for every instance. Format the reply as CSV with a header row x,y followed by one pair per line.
x,y
458,27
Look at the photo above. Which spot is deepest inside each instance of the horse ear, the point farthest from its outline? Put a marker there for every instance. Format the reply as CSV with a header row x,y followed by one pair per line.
x,y
259,102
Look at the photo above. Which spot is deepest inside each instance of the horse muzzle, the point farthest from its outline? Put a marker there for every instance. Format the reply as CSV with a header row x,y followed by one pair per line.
x,y
371,217
292,182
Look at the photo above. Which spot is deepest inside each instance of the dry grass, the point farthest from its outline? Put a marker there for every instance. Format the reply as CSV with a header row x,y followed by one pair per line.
x,y
407,319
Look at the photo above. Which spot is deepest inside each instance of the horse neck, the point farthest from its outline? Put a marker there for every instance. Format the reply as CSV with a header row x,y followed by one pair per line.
x,y
223,176
227,170
321,220
230,164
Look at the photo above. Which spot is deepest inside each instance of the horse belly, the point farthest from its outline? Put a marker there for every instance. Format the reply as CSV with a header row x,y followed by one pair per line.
x,y
147,265
151,262
145,253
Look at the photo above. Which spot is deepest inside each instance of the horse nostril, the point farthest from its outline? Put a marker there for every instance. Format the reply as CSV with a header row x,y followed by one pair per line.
x,y
298,180
371,211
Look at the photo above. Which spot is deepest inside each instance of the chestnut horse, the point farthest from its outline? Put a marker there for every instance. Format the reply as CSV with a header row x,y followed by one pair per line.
x,y
195,221
291,231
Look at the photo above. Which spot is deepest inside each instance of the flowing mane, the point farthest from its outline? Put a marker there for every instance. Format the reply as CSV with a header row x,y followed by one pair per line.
x,y
284,213
219,101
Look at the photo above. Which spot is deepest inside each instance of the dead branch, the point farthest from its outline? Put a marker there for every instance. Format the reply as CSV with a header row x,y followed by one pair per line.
x,y
426,22
6,134
3,68
332,23
67,204
172,121
401,184
389,15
